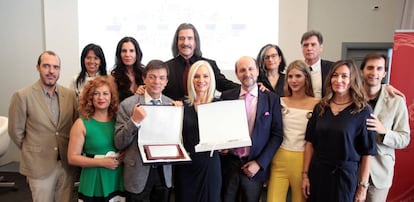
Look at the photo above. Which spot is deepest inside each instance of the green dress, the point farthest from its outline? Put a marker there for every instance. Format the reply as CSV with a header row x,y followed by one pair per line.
x,y
99,183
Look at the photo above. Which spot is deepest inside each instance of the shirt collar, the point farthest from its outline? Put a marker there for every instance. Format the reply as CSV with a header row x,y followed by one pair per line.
x,y
47,93
254,91
97,74
148,98
317,66
192,59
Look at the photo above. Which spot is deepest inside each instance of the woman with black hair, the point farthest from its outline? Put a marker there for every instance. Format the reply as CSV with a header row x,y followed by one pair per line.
x,y
93,64
128,69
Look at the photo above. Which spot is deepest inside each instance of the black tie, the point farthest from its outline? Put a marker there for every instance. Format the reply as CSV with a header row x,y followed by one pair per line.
x,y
155,102
310,68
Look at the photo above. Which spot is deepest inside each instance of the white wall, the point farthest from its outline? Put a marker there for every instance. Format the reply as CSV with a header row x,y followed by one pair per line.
x,y
353,21
21,42
293,21
61,35
28,28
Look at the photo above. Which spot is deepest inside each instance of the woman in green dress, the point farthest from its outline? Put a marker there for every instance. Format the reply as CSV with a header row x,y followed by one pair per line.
x,y
91,143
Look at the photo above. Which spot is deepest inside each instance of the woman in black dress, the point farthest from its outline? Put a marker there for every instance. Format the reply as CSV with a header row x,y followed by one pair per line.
x,y
338,145
271,63
200,180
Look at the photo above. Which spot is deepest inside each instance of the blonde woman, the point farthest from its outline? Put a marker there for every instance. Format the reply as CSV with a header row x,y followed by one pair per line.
x,y
199,180
297,106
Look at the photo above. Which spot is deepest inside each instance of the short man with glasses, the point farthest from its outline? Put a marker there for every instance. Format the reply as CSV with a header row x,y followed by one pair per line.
x,y
143,182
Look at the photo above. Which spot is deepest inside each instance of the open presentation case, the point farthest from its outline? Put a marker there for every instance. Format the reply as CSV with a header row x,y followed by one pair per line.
x,y
223,125
159,137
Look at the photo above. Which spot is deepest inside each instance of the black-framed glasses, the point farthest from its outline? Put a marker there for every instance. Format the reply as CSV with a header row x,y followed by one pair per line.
x,y
273,56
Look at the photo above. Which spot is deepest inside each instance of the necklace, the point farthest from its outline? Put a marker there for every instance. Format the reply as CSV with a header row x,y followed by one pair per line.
x,y
341,103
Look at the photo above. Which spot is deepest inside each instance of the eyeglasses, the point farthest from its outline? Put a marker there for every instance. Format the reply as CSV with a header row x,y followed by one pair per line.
x,y
273,56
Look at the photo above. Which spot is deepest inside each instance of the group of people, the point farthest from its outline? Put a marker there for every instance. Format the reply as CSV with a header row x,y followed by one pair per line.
x,y
325,131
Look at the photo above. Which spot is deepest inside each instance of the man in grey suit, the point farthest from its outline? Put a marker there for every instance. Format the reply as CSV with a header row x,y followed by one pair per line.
x,y
389,120
312,47
142,182
40,119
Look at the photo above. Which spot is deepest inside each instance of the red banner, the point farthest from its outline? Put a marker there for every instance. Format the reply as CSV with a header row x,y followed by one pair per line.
x,y
402,78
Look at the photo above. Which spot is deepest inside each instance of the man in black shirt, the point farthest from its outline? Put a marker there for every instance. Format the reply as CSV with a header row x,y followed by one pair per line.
x,y
186,51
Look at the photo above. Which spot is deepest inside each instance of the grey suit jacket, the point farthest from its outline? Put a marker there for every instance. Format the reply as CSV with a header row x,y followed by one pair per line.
x,y
33,131
126,138
393,114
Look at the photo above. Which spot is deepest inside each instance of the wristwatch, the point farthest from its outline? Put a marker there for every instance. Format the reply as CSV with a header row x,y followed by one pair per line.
x,y
364,184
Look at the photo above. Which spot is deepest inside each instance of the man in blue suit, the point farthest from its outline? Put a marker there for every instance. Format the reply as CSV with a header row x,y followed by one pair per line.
x,y
246,169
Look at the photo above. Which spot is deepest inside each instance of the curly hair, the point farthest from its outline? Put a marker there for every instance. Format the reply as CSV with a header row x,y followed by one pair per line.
x,y
86,107
357,92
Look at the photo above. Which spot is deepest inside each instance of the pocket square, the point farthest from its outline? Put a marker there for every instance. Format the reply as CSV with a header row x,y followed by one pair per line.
x,y
266,113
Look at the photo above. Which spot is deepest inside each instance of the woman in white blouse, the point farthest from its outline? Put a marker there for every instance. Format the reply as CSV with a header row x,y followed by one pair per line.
x,y
297,107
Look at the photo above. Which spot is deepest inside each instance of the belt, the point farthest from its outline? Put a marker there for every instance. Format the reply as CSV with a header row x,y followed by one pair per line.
x,y
89,155
108,154
336,166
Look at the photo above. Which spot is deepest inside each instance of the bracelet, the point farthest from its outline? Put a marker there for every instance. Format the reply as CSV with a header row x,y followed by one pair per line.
x,y
364,184
305,172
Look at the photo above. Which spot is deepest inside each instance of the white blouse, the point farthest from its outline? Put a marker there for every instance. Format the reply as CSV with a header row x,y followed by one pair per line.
x,y
294,127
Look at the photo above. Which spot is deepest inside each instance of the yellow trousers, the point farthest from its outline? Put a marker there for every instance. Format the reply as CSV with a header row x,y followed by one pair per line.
x,y
285,171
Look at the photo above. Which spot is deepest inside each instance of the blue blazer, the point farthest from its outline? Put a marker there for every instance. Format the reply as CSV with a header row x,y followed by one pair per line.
x,y
267,131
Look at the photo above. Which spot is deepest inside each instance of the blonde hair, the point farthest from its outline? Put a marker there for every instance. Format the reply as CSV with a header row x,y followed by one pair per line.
x,y
302,67
190,81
